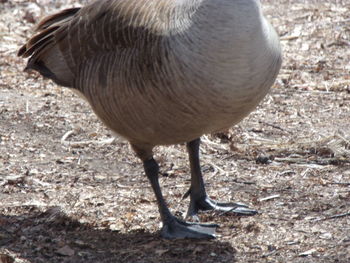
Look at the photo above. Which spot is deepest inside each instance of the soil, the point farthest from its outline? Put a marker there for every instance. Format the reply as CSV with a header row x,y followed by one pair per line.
x,y
72,192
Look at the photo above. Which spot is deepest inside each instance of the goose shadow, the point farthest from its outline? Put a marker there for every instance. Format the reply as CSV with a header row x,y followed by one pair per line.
x,y
52,236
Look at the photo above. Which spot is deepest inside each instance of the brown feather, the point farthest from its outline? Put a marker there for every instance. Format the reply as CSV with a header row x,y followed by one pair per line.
x,y
56,18
45,56
37,44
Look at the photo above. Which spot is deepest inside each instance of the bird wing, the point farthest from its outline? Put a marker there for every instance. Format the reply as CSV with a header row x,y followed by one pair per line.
x,y
66,40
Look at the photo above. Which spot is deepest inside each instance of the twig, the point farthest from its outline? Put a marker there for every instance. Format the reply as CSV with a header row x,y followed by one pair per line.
x,y
273,126
289,37
212,145
269,254
65,136
339,183
243,182
27,106
338,216
269,198
307,253
290,160
333,217
82,143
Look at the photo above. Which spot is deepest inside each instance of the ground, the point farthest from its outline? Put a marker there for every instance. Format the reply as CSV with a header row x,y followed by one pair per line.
x,y
69,192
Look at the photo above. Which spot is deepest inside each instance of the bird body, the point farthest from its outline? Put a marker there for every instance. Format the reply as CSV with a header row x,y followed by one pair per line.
x,y
165,78
161,72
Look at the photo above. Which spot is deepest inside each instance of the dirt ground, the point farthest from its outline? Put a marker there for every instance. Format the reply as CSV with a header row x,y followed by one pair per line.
x,y
69,192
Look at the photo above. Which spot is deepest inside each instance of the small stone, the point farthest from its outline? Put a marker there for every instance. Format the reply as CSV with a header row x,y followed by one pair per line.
x,y
65,251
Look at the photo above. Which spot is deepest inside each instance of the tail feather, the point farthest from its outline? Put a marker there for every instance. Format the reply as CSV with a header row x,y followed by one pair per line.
x,y
36,43
44,52
57,18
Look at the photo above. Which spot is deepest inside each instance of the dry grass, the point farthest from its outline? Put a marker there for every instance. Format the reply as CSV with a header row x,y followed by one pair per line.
x,y
70,193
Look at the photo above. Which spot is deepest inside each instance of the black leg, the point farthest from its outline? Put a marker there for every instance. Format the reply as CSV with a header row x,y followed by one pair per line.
x,y
199,199
173,227
152,169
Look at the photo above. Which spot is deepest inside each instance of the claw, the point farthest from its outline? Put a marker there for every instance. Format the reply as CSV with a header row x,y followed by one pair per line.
x,y
205,204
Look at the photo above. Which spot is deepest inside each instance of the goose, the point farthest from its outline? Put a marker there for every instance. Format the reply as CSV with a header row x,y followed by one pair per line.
x,y
160,72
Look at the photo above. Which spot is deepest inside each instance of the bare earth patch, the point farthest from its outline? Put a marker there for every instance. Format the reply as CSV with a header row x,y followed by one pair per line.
x,y
70,193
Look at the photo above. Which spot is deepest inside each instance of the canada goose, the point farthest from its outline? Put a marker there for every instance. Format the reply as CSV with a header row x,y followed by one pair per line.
x,y
162,72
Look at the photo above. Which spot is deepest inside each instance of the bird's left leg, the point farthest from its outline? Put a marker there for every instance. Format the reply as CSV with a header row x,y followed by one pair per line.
x,y
199,199
173,228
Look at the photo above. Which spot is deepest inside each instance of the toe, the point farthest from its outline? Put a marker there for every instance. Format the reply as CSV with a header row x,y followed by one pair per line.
x,y
177,229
